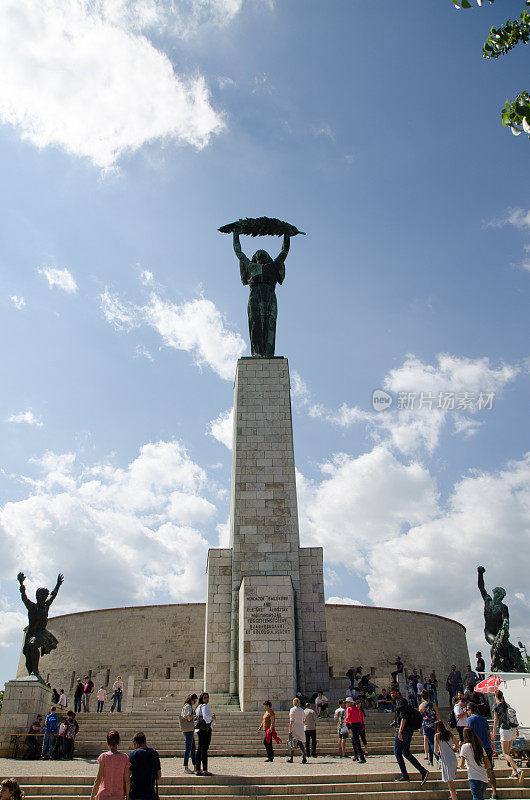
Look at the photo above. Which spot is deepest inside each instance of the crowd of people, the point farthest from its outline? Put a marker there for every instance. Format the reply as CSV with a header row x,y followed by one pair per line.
x,y
84,689
467,741
54,736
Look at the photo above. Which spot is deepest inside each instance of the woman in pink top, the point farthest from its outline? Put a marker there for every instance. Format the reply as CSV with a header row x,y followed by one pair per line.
x,y
113,778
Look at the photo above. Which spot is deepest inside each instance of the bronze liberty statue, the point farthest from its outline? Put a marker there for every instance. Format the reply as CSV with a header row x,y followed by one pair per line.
x,y
38,641
505,657
261,273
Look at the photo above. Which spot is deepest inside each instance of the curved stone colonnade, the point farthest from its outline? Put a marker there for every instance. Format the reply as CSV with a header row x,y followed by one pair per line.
x,y
167,642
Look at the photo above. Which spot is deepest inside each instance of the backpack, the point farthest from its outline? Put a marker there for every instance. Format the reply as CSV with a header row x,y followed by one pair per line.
x,y
512,717
414,719
452,719
52,724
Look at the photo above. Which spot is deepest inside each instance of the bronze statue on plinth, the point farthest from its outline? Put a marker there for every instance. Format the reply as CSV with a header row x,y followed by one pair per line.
x,y
262,273
38,641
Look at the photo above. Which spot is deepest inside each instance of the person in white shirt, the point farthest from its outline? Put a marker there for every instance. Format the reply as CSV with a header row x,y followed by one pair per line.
x,y
63,702
203,725
460,709
102,696
117,694
296,731
310,729
342,730
472,755
322,705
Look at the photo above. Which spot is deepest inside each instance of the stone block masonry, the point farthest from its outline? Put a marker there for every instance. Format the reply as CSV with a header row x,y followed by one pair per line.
x,y
264,539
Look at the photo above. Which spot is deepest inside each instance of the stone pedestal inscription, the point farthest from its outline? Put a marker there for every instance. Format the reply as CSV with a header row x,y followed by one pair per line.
x,y
267,664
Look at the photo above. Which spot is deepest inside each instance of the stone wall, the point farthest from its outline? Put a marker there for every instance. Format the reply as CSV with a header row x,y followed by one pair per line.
x,y
368,636
126,641
218,610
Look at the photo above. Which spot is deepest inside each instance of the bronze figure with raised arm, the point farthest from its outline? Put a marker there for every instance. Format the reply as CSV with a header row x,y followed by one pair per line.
x,y
262,273
505,657
38,641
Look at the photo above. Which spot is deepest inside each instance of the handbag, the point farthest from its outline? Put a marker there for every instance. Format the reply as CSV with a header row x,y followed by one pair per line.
x,y
200,722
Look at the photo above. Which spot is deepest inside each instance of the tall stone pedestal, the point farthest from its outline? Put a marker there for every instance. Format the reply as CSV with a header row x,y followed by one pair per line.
x,y
23,700
264,544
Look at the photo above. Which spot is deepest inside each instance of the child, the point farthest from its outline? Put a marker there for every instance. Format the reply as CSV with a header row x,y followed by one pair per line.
x,y
411,691
475,759
444,746
102,696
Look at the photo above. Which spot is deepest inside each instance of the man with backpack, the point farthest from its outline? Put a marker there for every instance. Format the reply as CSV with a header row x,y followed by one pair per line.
x,y
51,726
406,721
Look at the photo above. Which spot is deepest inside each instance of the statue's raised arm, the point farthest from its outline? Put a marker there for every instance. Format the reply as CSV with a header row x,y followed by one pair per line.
x,y
27,602
280,258
481,586
244,262
53,593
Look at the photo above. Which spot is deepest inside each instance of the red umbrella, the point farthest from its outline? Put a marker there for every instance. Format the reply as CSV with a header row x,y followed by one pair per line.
x,y
488,685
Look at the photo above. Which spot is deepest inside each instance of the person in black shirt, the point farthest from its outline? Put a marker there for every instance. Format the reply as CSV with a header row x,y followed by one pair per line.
x,y
404,731
481,666
145,770
398,670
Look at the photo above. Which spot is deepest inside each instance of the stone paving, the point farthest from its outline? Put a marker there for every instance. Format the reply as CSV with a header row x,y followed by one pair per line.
x,y
219,766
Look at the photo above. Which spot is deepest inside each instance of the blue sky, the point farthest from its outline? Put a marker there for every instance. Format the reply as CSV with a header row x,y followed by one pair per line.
x,y
128,135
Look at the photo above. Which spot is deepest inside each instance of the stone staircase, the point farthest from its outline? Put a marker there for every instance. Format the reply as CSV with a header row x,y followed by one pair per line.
x,y
373,786
233,734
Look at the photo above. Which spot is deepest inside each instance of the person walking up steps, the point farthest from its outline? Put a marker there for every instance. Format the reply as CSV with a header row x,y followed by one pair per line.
x,y
296,731
472,756
480,726
267,726
445,744
113,778
187,726
406,721
310,730
342,730
117,694
430,715
354,723
505,722
145,770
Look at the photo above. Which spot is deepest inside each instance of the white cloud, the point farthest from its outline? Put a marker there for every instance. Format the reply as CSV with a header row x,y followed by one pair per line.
x,y
195,326
147,277
84,76
343,601
12,623
122,316
466,426
120,535
486,521
198,327
18,302
26,418
61,278
223,531
517,217
416,429
222,427
323,129
361,501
